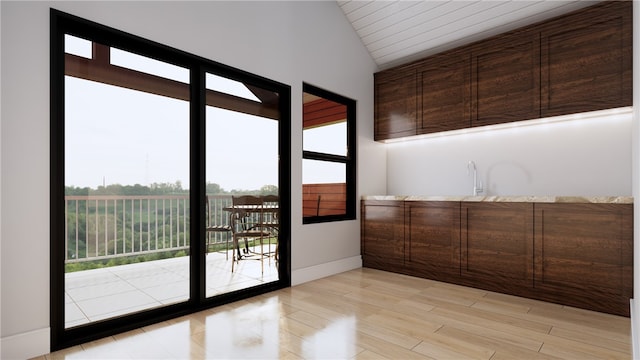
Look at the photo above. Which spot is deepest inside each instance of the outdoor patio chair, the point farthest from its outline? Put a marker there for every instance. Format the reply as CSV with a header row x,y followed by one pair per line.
x,y
248,223
272,218
213,227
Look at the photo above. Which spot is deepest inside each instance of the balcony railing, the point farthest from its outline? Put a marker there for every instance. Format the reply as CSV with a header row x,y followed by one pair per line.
x,y
103,227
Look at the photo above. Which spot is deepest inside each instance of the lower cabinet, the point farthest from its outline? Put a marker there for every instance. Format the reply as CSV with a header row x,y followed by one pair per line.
x,y
577,254
497,244
382,234
583,254
432,232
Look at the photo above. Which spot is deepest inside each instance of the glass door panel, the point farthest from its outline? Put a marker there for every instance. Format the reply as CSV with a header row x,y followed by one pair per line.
x,y
126,174
241,158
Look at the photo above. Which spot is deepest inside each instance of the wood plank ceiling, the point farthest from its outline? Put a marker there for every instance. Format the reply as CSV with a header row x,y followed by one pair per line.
x,y
397,32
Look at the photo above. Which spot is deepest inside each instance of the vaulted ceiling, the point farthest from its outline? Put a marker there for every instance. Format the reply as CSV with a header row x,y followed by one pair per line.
x,y
397,32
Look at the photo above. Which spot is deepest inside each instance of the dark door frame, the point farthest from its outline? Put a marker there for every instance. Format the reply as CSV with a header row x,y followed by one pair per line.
x,y
61,24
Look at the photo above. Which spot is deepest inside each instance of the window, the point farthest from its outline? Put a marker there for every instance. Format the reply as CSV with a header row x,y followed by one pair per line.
x,y
329,160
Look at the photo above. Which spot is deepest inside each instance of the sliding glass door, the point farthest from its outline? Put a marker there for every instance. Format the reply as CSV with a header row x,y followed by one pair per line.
x,y
242,124
127,211
149,148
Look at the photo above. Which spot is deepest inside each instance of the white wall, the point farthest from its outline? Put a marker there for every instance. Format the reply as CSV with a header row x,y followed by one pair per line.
x,y
636,181
290,42
588,157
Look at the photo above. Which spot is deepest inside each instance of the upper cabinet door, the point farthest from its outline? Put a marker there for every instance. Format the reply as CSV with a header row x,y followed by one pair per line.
x,y
445,92
395,104
505,79
586,60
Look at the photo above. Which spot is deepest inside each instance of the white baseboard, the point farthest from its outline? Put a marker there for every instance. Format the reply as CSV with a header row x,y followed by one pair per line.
x,y
26,345
635,328
315,272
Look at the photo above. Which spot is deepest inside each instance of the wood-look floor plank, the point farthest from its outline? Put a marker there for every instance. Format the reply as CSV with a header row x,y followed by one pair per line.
x,y
388,335
319,309
501,306
307,318
294,327
617,326
522,338
517,300
494,320
372,297
337,286
576,350
449,296
396,290
590,338
408,325
387,350
442,344
503,349
345,306
369,355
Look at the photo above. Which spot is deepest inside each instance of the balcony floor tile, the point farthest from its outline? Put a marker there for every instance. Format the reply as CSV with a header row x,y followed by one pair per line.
x,y
104,293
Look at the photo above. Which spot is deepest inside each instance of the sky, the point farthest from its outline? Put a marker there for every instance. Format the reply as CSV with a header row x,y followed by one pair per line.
x,y
120,136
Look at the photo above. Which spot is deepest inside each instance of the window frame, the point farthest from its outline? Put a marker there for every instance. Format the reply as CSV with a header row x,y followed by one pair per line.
x,y
349,160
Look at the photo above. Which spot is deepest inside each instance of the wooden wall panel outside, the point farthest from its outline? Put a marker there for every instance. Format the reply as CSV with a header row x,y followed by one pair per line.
x,y
324,199
322,112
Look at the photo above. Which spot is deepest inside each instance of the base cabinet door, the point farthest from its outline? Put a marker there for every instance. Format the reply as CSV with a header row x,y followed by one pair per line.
x,y
584,254
432,230
382,234
497,245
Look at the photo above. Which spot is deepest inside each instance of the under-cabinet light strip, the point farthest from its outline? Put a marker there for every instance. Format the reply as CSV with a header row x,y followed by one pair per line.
x,y
518,124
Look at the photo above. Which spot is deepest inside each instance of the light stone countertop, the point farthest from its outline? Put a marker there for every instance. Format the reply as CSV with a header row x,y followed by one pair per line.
x,y
510,198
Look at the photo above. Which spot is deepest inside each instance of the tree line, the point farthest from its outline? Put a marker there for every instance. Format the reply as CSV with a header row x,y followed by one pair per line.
x,y
162,189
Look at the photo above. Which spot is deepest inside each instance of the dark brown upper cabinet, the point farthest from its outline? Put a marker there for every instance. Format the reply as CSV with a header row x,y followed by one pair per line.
x,y
395,104
574,63
445,93
586,60
505,79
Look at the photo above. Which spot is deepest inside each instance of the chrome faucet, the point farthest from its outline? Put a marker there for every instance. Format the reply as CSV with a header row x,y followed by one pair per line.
x,y
477,186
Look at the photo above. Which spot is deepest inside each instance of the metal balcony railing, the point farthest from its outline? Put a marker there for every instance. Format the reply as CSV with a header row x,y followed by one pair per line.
x,y
108,226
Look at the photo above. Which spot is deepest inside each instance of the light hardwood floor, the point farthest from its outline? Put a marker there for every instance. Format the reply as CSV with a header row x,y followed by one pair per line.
x,y
371,314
